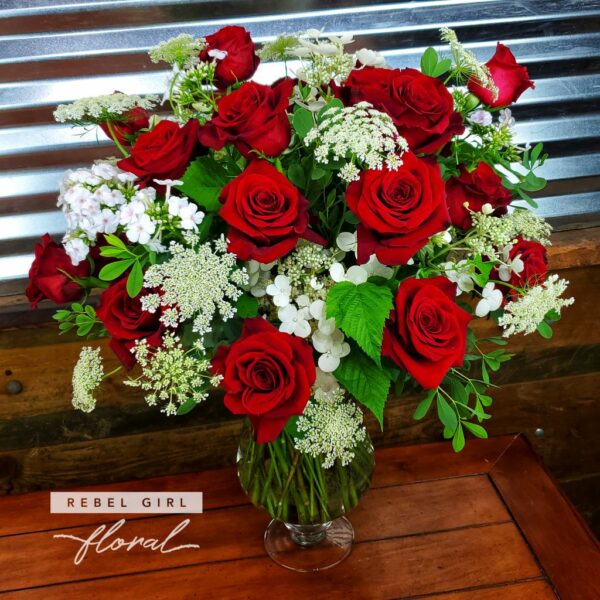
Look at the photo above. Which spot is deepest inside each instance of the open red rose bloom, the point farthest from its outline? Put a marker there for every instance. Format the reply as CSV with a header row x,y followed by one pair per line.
x,y
305,243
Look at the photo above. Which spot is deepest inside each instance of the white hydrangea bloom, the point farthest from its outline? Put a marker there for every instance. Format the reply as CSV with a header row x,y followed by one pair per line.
x,y
509,266
259,276
87,376
460,273
332,428
294,320
491,300
280,290
524,314
369,58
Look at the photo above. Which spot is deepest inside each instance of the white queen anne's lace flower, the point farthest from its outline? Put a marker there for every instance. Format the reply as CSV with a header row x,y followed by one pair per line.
x,y
102,108
332,428
524,314
87,376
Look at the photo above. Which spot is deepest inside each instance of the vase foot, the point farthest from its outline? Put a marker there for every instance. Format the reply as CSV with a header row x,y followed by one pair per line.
x,y
309,547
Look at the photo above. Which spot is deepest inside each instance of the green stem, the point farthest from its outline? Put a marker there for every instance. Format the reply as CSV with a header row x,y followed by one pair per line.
x,y
113,135
111,373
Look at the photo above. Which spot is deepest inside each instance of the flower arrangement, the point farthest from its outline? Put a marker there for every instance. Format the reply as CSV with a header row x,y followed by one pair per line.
x,y
310,246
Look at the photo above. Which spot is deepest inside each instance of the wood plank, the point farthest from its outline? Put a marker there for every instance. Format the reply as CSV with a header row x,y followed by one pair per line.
x,y
530,590
393,568
401,465
565,547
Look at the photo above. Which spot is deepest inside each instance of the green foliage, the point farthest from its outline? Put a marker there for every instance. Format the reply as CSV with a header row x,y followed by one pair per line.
x,y
302,121
203,181
126,258
360,311
365,381
81,317
432,65
247,306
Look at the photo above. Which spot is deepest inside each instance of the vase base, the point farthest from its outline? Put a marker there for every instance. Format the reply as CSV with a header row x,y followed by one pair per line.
x,y
329,548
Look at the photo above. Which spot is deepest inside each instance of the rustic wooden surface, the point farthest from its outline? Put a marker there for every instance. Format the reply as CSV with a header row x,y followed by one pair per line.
x,y
486,524
44,443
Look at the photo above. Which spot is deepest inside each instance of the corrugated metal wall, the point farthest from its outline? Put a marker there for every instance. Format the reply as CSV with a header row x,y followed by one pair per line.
x,y
55,51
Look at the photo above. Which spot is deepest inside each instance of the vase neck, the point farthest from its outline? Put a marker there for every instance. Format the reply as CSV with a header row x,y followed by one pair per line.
x,y
308,535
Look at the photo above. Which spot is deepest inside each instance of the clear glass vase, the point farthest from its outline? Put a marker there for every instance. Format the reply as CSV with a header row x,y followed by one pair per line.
x,y
306,501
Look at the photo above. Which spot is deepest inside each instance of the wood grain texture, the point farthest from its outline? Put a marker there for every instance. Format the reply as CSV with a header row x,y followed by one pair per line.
x,y
567,550
531,590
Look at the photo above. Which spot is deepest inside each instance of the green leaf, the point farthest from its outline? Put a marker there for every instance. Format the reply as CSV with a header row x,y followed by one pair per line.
x,y
476,430
335,103
115,269
442,67
247,306
429,61
367,382
484,268
203,181
114,252
60,315
458,441
545,330
484,373
551,315
446,413
291,428
135,281
64,327
90,311
458,392
296,175
360,311
76,307
302,121
114,240
187,407
485,400
535,153
423,407
85,328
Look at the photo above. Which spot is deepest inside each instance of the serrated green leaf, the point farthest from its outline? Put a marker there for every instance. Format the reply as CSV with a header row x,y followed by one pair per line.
x,y
115,269
366,382
203,181
429,61
135,281
476,430
458,440
247,306
423,407
302,121
446,413
360,311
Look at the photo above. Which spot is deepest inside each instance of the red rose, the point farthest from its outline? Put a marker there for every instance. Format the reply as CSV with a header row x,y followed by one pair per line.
x,y
510,78
479,187
267,375
266,214
427,332
241,61
48,274
535,263
399,210
129,124
251,118
163,153
420,106
126,322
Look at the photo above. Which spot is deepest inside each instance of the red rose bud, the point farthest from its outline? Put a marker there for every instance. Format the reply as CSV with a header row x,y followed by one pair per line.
x,y
267,375
252,118
49,274
124,319
266,214
480,186
398,210
510,78
233,50
126,127
420,106
162,153
427,332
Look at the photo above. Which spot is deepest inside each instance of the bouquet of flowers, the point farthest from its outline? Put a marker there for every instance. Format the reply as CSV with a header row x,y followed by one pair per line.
x,y
310,247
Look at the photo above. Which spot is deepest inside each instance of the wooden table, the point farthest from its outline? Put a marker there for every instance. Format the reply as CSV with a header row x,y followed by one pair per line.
x,y
488,524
